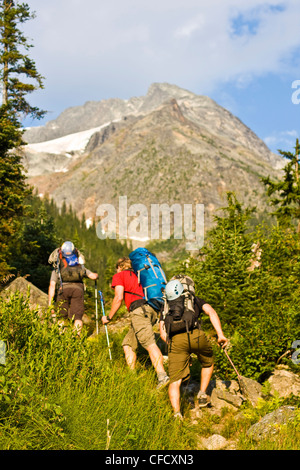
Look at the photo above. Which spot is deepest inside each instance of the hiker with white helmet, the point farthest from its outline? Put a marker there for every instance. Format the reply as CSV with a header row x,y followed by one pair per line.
x,y
67,278
181,329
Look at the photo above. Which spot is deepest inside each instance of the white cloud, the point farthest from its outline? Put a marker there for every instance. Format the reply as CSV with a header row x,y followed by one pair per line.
x,y
187,29
88,49
282,140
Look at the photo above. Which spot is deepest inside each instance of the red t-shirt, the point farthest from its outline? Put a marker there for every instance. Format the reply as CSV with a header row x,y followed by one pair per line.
x,y
129,280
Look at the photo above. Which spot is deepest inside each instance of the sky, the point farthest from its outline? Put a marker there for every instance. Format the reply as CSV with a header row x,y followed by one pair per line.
x,y
244,54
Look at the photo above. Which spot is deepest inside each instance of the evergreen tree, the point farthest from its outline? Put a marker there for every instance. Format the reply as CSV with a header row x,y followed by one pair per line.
x,y
222,275
287,192
13,65
251,278
33,244
13,188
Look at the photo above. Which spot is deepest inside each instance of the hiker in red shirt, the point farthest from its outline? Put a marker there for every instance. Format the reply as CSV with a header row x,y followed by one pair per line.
x,y
142,315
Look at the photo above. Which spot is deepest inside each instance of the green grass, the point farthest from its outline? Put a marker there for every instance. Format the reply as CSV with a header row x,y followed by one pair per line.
x,y
62,392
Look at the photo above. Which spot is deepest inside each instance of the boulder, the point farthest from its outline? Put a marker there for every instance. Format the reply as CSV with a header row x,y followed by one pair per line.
x,y
37,298
253,390
284,382
269,424
225,393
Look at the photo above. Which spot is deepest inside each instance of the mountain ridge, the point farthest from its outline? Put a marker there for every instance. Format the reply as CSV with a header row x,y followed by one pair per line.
x,y
184,149
199,109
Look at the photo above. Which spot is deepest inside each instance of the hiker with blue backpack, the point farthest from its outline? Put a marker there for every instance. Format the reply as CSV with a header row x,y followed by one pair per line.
x,y
67,280
138,282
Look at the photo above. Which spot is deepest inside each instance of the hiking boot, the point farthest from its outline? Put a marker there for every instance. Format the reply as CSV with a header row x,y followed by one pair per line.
x,y
163,380
178,416
203,399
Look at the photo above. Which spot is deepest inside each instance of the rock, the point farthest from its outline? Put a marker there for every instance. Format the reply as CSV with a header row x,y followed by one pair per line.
x,y
117,326
253,390
269,424
37,298
284,382
214,442
224,393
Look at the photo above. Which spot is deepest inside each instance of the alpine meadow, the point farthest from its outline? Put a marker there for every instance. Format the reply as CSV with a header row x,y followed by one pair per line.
x,y
63,389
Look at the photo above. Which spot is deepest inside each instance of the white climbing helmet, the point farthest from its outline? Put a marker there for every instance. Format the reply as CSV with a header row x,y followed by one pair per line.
x,y
67,248
173,289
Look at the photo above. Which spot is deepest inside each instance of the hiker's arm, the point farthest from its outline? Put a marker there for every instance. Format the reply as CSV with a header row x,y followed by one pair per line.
x,y
116,303
92,276
215,321
162,331
51,292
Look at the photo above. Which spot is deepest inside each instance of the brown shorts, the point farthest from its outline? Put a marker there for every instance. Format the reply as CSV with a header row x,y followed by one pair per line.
x,y
180,348
71,301
141,330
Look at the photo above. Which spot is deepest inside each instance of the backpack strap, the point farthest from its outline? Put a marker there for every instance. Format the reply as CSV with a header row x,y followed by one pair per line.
x,y
133,293
61,258
58,269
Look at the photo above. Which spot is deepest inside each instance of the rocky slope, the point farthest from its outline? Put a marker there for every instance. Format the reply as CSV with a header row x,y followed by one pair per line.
x,y
171,146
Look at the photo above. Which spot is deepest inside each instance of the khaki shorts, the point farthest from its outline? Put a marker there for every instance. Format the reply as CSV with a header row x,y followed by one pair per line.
x,y
180,349
141,331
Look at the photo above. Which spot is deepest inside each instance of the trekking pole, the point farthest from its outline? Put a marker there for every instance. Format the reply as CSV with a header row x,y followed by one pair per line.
x,y
105,326
96,307
242,384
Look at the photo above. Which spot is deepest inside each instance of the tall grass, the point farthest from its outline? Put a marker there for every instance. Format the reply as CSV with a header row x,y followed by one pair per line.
x,y
61,391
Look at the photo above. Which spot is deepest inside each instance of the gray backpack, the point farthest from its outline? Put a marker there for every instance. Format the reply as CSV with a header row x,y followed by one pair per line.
x,y
179,314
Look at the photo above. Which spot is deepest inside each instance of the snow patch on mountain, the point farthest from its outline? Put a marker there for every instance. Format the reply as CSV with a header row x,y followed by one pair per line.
x,y
64,145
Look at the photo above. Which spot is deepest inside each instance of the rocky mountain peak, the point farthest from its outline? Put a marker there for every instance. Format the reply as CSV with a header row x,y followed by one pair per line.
x,y
130,148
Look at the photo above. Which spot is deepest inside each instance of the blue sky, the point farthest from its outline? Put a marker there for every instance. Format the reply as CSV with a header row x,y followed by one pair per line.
x,y
244,54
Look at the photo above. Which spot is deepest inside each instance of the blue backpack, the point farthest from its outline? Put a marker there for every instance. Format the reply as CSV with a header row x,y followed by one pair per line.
x,y
150,275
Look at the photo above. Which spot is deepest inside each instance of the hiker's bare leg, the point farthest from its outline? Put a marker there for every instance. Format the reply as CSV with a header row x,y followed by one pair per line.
x,y
206,374
156,358
174,395
130,356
